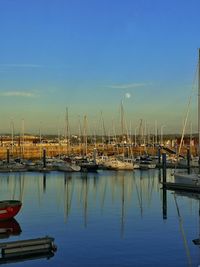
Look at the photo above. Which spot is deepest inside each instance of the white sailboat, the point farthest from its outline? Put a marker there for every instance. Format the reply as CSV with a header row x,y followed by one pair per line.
x,y
116,164
192,178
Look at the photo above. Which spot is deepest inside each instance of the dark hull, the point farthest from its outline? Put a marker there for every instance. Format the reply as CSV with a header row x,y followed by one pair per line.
x,y
88,167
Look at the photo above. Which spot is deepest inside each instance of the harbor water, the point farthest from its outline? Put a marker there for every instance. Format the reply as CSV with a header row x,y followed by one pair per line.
x,y
108,218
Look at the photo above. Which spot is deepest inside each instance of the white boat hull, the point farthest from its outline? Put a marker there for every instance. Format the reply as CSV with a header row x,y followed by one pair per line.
x,y
118,165
184,178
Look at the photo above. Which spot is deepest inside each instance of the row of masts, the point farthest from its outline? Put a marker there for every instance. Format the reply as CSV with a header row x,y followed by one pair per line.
x,y
142,133
83,145
199,108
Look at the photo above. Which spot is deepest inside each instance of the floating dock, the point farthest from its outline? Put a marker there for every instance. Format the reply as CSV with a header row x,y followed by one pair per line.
x,y
27,249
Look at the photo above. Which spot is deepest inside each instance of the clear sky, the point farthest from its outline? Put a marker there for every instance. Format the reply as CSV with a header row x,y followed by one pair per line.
x,y
89,55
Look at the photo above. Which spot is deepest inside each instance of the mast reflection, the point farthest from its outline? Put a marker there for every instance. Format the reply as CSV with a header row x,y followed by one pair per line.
x,y
104,192
68,191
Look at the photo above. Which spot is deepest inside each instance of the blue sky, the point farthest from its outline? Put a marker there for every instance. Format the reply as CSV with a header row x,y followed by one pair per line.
x,y
89,55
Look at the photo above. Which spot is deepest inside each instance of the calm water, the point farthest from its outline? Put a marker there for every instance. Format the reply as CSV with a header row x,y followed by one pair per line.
x,y
105,219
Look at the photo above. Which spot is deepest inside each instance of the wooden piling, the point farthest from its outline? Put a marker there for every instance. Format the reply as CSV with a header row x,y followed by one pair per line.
x,y
188,160
164,168
159,156
8,156
44,158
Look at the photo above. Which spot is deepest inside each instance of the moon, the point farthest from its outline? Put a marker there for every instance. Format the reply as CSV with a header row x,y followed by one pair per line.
x,y
127,95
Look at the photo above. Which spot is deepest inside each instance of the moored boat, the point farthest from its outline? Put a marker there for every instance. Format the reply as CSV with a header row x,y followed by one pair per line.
x,y
190,178
67,167
86,164
187,178
9,208
116,164
146,165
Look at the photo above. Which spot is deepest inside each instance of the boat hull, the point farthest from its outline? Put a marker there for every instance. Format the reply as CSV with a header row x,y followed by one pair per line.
x,y
89,167
147,166
9,209
189,179
118,165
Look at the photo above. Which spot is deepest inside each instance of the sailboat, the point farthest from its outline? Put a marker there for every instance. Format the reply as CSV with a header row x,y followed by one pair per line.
x,y
192,179
118,162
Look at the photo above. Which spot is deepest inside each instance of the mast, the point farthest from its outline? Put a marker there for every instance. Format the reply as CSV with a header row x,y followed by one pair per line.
x,y
122,119
80,135
40,136
199,108
67,139
22,138
12,135
103,128
85,134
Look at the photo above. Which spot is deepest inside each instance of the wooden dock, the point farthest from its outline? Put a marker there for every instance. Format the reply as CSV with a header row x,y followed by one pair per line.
x,y
35,151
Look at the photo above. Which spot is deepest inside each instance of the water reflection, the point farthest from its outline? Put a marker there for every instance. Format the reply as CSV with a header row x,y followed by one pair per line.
x,y
164,203
44,182
88,191
183,234
122,209
24,257
130,208
193,198
68,193
9,228
196,241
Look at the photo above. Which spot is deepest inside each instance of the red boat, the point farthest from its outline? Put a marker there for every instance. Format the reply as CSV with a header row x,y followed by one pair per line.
x,y
9,208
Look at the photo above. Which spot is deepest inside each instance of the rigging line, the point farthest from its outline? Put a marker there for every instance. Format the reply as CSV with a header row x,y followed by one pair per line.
x,y
103,125
187,114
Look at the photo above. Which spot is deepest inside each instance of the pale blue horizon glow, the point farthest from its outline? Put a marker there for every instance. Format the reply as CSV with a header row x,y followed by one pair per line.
x,y
91,55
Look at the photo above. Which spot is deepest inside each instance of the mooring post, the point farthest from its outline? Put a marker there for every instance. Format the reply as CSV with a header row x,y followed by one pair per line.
x,y
95,155
44,158
159,154
164,167
8,155
188,160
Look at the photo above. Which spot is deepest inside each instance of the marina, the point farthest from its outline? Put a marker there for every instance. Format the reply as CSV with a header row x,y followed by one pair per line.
x,y
99,133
